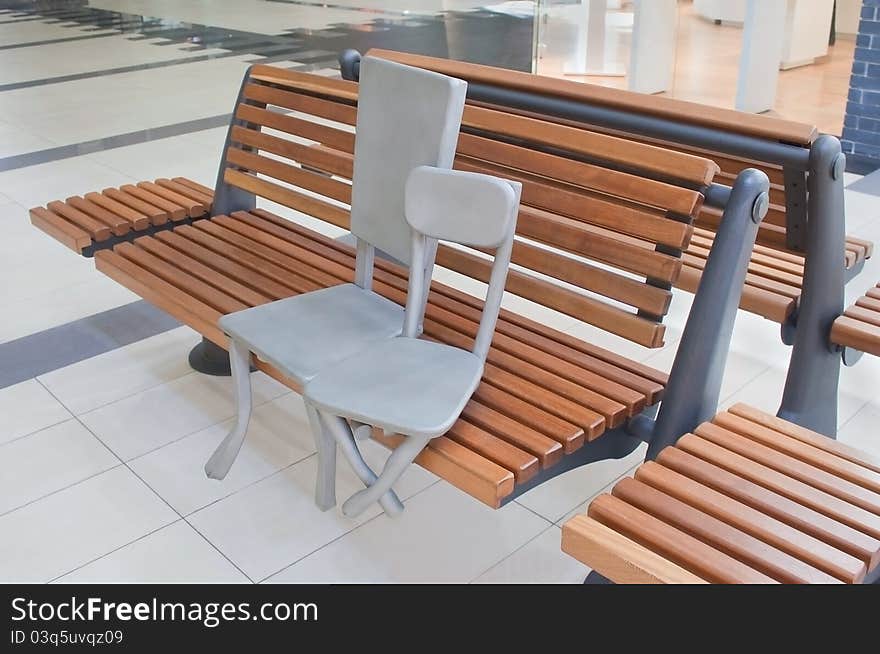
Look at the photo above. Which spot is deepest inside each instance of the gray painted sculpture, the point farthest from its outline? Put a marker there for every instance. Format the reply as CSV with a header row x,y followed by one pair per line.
x,y
407,117
408,386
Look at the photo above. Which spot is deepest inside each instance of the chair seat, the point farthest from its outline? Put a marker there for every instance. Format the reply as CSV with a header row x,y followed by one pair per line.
x,y
300,335
404,385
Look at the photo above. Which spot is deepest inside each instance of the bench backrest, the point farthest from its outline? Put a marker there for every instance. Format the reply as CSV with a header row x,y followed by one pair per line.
x,y
603,220
773,229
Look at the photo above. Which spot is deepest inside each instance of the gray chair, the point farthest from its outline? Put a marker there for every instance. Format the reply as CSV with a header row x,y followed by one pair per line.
x,y
408,386
407,117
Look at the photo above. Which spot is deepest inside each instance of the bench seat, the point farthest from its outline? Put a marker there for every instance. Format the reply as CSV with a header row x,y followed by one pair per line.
x,y
746,498
775,276
859,326
544,393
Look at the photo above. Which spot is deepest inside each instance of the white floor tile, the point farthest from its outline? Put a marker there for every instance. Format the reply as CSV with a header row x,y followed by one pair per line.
x,y
48,460
275,522
175,554
140,423
27,407
111,376
556,497
278,436
62,305
861,430
540,561
444,536
72,527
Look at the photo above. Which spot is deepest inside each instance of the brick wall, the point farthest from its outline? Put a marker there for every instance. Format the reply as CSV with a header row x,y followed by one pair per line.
x,y
861,125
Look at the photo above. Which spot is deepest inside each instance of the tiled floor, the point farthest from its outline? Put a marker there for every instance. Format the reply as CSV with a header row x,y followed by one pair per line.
x,y
101,461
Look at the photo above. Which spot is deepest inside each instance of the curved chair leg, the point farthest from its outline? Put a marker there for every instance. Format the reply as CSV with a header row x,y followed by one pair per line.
x,y
345,439
325,486
397,463
218,465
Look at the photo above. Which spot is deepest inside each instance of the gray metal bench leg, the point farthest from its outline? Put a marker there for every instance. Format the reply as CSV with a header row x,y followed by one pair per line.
x,y
810,396
218,465
341,432
325,486
397,463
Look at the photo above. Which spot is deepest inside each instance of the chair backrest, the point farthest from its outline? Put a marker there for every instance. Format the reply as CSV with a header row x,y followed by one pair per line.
x,y
468,209
407,117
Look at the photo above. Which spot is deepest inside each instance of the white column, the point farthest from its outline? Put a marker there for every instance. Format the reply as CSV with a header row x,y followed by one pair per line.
x,y
652,59
761,53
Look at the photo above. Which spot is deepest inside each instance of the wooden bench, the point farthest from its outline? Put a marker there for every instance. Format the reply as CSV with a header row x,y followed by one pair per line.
x,y
803,257
775,280
745,498
597,244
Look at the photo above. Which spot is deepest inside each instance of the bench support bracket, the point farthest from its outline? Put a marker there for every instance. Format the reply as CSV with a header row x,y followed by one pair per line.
x,y
810,396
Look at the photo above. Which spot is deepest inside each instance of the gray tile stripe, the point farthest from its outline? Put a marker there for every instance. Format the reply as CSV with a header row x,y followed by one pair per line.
x,y
30,44
111,142
37,354
115,71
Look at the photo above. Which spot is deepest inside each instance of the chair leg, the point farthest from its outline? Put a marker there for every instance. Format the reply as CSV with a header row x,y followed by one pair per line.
x,y
325,487
397,463
345,439
218,465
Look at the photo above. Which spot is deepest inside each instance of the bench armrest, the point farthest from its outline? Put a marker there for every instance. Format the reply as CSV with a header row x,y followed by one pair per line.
x,y
694,386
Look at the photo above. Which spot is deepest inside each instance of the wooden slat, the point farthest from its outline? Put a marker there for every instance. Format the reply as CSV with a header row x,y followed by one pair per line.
x,y
582,307
325,159
803,516
856,334
659,161
626,290
464,469
55,226
336,111
806,452
190,266
317,84
755,300
288,197
167,297
172,210
781,536
720,535
677,546
193,287
862,314
569,435
792,487
717,118
186,191
117,224
193,209
600,245
139,213
618,558
792,467
620,217
523,465
194,185
297,127
97,230
547,451
291,174
277,281
605,180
